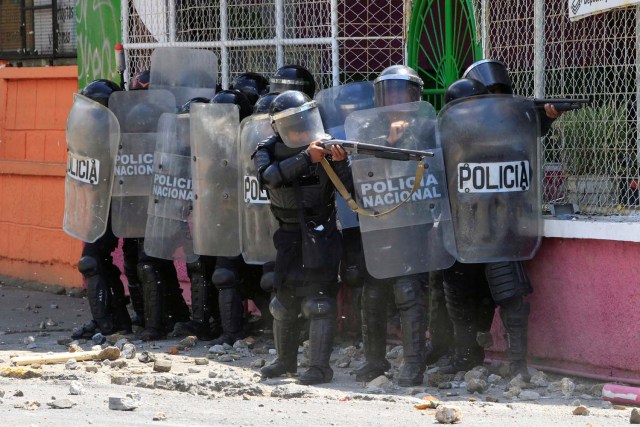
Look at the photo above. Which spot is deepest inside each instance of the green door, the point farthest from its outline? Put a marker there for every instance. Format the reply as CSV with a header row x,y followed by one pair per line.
x,y
442,44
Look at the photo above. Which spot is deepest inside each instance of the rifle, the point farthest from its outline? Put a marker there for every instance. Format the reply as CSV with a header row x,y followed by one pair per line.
x,y
379,151
561,104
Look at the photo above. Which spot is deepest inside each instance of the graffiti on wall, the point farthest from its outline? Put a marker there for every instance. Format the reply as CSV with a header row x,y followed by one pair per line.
x,y
98,27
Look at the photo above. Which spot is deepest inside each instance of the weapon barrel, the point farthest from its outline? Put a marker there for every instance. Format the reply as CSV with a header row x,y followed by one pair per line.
x,y
380,151
562,104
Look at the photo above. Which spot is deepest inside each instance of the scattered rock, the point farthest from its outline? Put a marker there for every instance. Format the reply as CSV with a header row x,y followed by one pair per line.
x,y
539,379
606,405
576,402
19,373
529,395
476,385
98,338
120,343
445,386
146,357
581,410
74,348
128,351
567,387
193,370
1,393
635,417
289,391
71,364
517,381
217,349
477,373
272,351
257,364
350,351
619,407
512,392
113,339
494,379
118,364
32,346
50,322
201,361
96,348
173,351
458,377
596,390
61,404
491,399
382,383
119,380
159,416
30,405
76,388
162,366
240,344
187,343
343,362
18,393
225,358
122,404
91,369
28,340
395,353
64,341
448,414
504,371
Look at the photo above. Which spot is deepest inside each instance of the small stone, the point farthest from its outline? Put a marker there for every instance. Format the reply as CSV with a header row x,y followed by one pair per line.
x,y
98,338
272,351
217,349
61,404
1,393
162,366
606,405
395,353
445,385
635,417
120,343
74,348
29,340
517,381
581,410
596,390
122,404
491,399
576,402
259,363
91,369
193,370
36,366
227,347
529,395
64,341
71,364
113,339
119,380
494,379
18,393
159,416
30,405
586,397
50,322
504,371
448,414
476,385
512,392
539,379
225,358
343,362
75,388
381,382
459,376
567,387
128,351
477,373
619,407
32,346
240,344
118,364
146,357
188,342
350,351
201,361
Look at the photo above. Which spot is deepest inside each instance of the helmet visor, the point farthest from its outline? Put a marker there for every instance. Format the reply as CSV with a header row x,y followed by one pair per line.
x,y
281,85
299,127
396,91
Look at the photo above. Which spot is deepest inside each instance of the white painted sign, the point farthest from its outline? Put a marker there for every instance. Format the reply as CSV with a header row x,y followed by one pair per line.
x,y
498,177
579,9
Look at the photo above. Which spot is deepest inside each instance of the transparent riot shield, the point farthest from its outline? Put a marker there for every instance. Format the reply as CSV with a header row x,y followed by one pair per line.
x,y
491,151
257,224
187,73
138,113
214,149
417,237
335,104
168,234
92,143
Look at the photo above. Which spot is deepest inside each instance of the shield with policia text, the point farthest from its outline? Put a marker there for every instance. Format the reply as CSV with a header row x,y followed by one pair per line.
x,y
491,151
335,104
418,236
214,150
257,224
138,113
168,234
187,73
92,142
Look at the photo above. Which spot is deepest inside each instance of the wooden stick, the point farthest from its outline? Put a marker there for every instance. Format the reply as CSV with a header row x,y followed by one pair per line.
x,y
111,353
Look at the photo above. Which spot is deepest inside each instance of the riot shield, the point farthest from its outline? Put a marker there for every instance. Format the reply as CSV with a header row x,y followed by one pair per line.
x,y
214,132
417,237
168,234
187,73
138,113
257,224
92,143
335,104
491,145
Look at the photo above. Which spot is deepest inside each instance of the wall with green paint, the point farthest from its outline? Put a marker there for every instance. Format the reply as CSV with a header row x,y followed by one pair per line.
x,y
98,27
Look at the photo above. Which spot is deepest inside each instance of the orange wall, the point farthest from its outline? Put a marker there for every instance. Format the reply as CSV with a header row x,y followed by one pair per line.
x,y
34,104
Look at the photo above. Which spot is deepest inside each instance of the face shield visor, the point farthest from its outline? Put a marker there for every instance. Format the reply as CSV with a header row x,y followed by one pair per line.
x,y
300,126
397,89
281,85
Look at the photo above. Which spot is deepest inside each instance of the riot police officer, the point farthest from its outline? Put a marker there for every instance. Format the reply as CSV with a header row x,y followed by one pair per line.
x,y
395,85
105,290
308,242
251,85
293,77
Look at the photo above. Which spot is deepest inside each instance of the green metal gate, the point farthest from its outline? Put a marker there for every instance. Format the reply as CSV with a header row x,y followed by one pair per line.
x,y
441,44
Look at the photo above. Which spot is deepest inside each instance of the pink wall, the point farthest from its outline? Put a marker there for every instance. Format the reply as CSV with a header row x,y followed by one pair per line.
x,y
585,309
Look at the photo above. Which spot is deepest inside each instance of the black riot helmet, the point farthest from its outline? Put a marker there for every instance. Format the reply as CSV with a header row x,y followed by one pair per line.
x,y
264,102
296,119
293,77
233,96
353,97
140,80
492,73
252,85
397,84
464,88
186,107
100,90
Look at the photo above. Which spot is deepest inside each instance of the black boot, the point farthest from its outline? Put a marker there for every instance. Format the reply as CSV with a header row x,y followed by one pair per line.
x,y
321,331
98,294
231,312
121,319
440,326
284,334
409,298
515,318
201,287
374,332
176,307
130,263
153,292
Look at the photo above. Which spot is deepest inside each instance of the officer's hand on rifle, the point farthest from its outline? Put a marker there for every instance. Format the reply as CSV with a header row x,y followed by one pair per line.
x,y
551,111
317,152
338,153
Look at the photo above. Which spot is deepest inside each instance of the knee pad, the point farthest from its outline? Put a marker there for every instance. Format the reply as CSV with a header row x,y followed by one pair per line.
x,y
195,267
147,273
280,312
319,307
88,266
266,281
507,280
408,292
223,278
352,276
